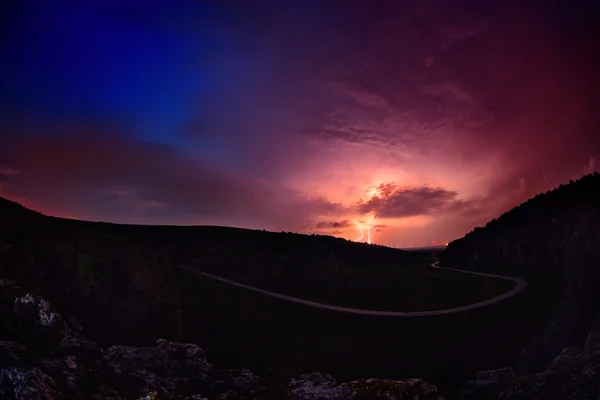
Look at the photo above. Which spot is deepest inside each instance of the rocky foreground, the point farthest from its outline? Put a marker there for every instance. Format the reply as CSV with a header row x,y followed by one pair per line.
x,y
43,356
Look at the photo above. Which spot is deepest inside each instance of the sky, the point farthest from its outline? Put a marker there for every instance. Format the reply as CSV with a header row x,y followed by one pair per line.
x,y
429,117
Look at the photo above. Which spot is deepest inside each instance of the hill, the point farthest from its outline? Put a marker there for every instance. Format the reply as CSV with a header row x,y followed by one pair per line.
x,y
124,285
553,237
121,284
96,262
132,269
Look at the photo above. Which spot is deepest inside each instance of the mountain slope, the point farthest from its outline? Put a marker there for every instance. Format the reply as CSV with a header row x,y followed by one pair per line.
x,y
553,236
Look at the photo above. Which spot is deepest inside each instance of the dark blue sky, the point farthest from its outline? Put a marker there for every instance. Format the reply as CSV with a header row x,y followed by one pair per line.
x,y
434,116
71,59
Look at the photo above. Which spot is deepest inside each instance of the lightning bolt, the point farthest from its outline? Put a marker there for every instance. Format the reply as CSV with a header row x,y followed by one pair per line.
x,y
360,229
361,225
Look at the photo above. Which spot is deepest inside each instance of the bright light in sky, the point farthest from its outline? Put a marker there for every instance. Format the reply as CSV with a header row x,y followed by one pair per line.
x,y
306,123
362,225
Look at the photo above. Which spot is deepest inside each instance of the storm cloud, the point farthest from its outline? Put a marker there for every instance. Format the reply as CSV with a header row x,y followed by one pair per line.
x,y
399,203
297,115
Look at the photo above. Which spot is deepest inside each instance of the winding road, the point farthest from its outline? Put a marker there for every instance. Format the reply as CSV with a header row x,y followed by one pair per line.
x,y
520,285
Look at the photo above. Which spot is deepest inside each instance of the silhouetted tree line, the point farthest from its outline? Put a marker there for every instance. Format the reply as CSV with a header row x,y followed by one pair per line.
x,y
583,192
553,239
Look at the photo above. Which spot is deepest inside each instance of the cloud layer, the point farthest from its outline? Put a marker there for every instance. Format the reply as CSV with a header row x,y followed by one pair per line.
x,y
300,115
408,202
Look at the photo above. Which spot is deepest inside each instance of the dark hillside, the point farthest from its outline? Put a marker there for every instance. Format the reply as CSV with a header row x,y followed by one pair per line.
x,y
130,272
14,215
124,285
553,237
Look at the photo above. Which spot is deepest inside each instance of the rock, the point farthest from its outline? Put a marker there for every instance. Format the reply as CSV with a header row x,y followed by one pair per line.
x,y
393,389
487,383
571,375
107,393
169,366
8,284
35,322
317,386
149,396
27,384
73,342
68,363
73,374
64,363
229,395
71,360
570,360
155,395
32,321
243,382
39,308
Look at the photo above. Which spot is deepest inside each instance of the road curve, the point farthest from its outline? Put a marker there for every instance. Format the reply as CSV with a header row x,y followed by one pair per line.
x,y
520,285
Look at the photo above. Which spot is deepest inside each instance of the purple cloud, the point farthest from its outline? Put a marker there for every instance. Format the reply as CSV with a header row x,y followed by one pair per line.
x,y
399,203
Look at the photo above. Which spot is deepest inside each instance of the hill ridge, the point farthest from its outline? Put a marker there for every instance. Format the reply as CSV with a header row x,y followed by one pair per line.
x,y
554,237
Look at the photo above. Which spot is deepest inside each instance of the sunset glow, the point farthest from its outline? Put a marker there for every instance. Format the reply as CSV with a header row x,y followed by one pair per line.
x,y
307,117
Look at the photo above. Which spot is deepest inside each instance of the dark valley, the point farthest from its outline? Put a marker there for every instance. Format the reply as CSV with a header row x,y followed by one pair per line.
x,y
126,285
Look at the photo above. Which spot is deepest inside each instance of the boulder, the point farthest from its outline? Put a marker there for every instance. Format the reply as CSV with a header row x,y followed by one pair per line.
x,y
394,389
242,382
168,366
319,386
487,383
46,358
27,384
573,374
